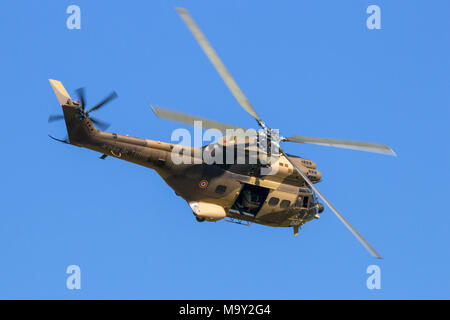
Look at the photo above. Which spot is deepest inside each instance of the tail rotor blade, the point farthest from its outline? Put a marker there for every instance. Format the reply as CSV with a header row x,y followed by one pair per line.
x,y
82,97
55,117
101,124
110,97
343,220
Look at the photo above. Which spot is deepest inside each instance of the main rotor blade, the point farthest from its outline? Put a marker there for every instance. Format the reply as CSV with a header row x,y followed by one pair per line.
x,y
343,220
101,124
110,97
218,64
355,145
82,97
188,119
55,117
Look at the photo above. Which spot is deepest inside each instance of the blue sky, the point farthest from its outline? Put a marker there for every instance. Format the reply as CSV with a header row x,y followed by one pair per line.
x,y
308,67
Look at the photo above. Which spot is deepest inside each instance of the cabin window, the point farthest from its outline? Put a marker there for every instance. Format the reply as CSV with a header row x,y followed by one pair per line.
x,y
273,201
284,204
221,189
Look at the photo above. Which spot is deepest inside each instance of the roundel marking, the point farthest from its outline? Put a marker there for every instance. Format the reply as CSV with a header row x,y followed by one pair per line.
x,y
203,184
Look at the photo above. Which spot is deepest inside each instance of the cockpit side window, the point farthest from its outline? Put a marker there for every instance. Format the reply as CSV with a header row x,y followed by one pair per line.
x,y
298,203
305,201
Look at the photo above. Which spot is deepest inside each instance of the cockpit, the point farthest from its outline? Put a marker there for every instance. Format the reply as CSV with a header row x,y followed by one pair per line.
x,y
305,199
307,204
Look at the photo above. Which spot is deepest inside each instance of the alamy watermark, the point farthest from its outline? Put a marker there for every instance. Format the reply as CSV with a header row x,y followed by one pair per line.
x,y
74,20
374,20
237,146
374,280
73,281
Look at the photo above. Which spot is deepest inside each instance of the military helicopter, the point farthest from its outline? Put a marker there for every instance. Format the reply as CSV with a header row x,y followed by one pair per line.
x,y
237,192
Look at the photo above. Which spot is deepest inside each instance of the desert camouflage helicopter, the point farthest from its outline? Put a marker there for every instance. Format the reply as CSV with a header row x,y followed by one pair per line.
x,y
239,193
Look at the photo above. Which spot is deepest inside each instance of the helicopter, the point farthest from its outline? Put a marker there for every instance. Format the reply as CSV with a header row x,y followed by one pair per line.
x,y
243,192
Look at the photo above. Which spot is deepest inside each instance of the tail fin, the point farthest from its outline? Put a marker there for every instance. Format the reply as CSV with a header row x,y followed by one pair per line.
x,y
60,91
79,129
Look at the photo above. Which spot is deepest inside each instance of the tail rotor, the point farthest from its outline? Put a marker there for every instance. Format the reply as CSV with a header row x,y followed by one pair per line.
x,y
82,109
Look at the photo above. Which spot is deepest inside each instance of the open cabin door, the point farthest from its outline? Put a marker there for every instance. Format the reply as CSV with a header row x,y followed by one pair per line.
x,y
250,200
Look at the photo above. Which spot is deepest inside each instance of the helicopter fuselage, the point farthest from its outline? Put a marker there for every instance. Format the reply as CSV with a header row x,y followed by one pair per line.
x,y
213,191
